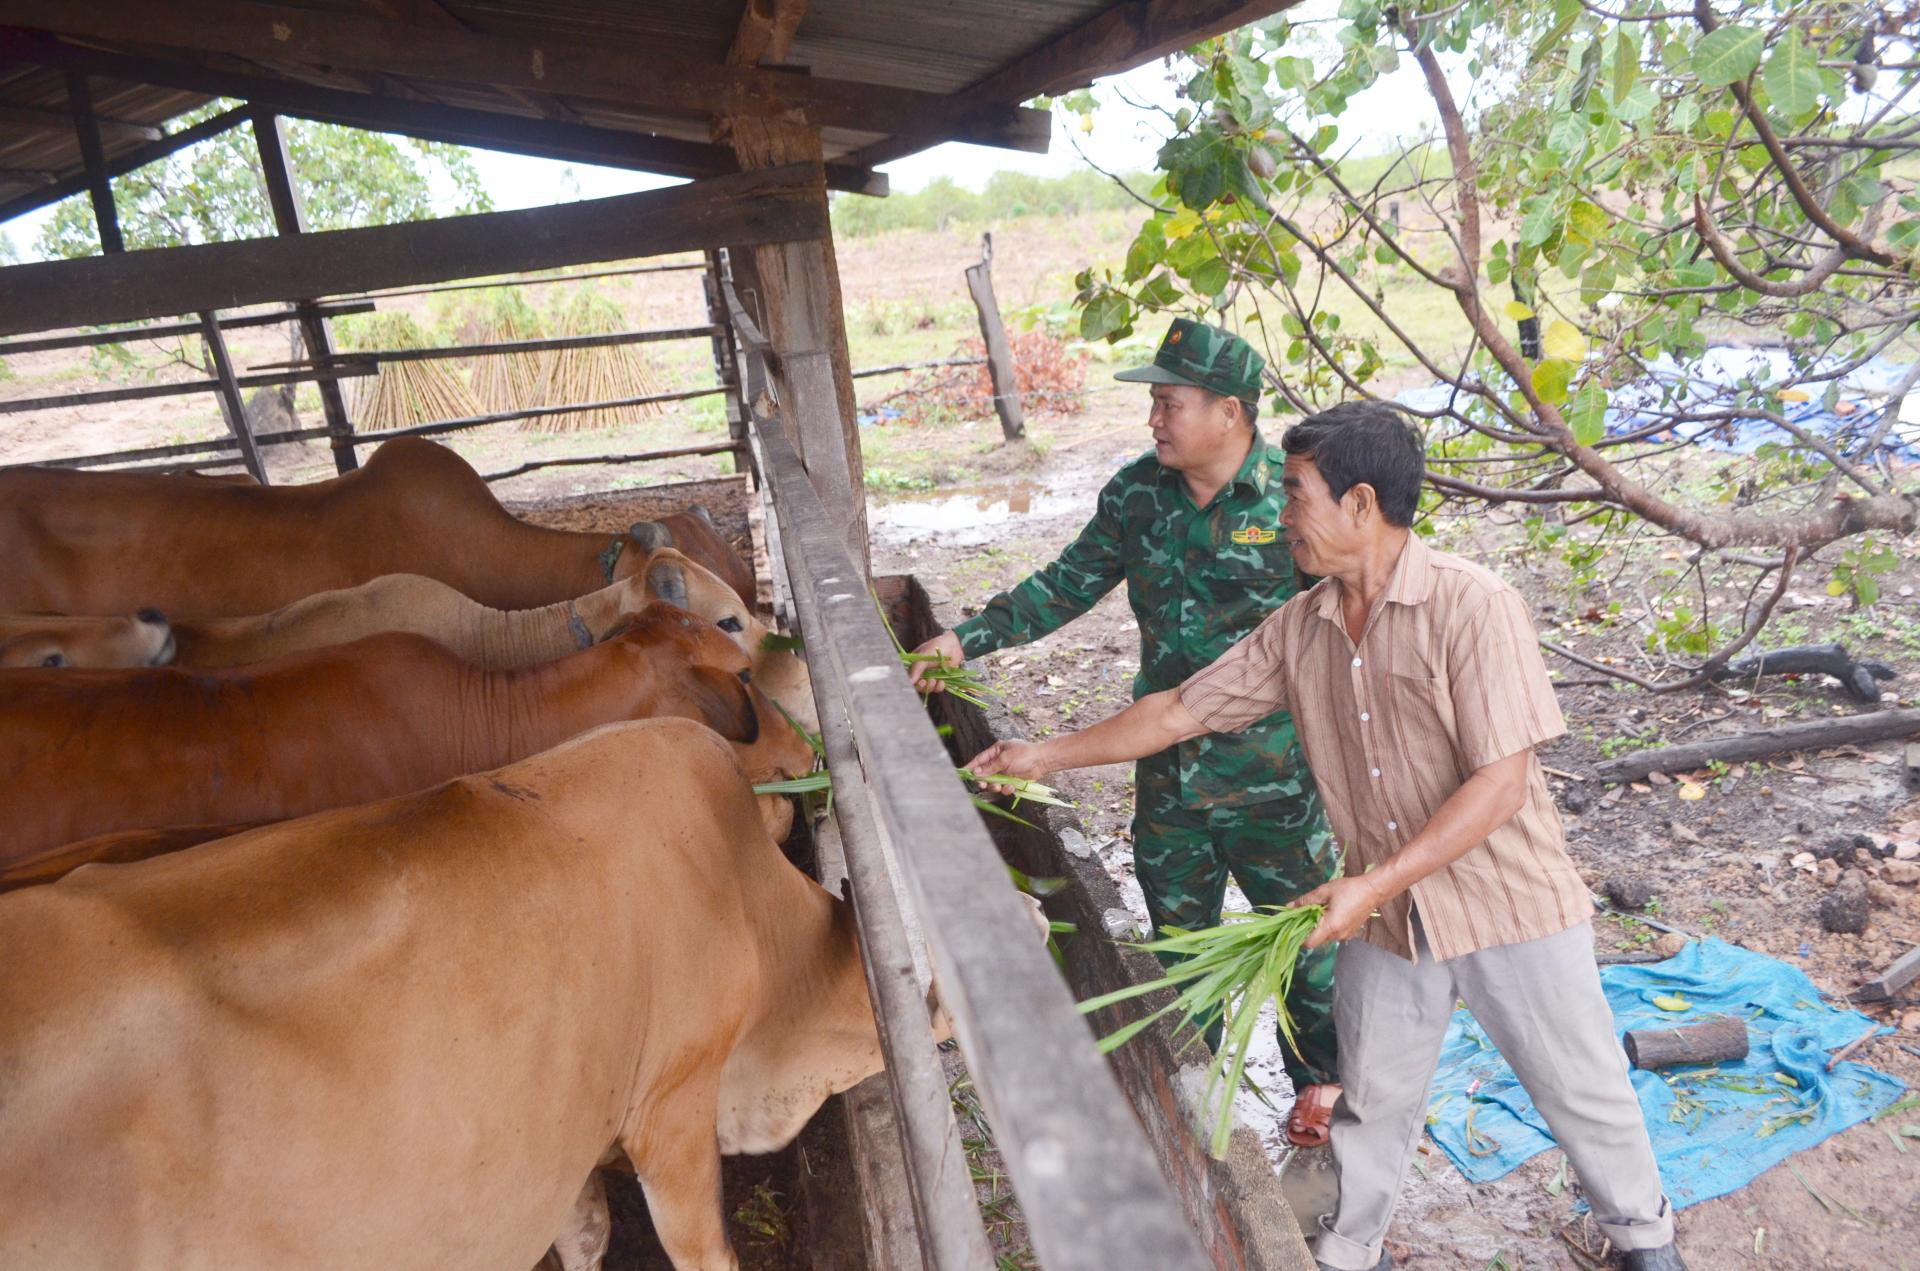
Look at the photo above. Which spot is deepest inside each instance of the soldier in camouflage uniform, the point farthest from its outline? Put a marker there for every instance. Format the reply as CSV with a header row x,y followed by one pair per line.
x,y
1193,528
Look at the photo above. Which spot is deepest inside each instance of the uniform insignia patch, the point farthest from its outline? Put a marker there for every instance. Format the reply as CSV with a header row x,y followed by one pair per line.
x,y
1254,534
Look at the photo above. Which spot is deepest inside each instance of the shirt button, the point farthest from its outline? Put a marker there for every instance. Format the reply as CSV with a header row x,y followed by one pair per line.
x,y
1356,661
1393,825
1364,717
1376,772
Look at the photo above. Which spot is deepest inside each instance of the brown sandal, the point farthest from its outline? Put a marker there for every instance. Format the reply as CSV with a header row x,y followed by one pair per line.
x,y
1309,1122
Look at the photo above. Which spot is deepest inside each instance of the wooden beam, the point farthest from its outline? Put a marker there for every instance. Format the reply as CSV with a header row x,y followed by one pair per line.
x,y
777,205
229,322
121,164
1122,37
674,86
290,218
766,31
93,160
431,13
55,121
25,176
232,405
428,121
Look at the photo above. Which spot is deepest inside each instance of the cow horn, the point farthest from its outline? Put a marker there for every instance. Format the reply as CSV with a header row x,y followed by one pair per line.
x,y
650,535
667,580
700,510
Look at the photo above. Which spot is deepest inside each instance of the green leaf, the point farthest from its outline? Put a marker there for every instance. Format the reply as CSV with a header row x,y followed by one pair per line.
x,y
1541,223
1587,413
1728,54
1148,249
1637,104
1103,316
1626,63
1566,134
1793,76
1211,278
1550,380
1158,292
1589,220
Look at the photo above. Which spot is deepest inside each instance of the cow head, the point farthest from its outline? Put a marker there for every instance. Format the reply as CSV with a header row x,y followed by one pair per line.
x,y
696,671
144,639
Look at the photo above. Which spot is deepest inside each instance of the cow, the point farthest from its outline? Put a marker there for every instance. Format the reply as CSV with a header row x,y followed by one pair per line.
x,y
103,543
92,752
141,639
404,1035
498,639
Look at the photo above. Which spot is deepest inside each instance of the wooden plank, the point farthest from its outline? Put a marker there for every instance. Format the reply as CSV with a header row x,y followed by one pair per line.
x,y
427,121
93,162
173,450
25,176
647,456
290,218
726,369
161,331
951,1237
776,205
1006,389
1093,1197
120,164
137,392
766,31
1904,971
55,121
675,86
1122,36
228,391
547,344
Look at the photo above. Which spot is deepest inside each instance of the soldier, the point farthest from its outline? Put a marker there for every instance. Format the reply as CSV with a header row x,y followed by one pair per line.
x,y
1193,528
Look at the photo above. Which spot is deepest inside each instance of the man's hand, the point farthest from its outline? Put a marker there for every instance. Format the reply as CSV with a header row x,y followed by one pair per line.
x,y
947,645
1349,901
1009,759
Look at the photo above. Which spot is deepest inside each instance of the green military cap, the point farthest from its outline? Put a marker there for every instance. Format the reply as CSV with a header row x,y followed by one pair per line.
x,y
1204,357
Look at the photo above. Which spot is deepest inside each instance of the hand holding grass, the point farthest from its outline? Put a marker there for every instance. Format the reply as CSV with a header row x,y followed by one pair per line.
x,y
946,648
1348,901
1021,759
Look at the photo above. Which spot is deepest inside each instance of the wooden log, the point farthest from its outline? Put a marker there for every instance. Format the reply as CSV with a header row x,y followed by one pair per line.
x,y
93,160
726,366
1881,988
782,204
1856,676
1848,730
1006,389
1723,1037
228,391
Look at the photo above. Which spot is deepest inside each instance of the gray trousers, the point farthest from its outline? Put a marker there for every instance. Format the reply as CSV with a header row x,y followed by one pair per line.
x,y
1541,1003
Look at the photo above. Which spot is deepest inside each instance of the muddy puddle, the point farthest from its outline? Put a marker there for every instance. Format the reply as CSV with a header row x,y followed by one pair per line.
x,y
970,514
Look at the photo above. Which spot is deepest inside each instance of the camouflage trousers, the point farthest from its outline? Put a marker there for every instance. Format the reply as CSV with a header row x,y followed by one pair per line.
x,y
1275,851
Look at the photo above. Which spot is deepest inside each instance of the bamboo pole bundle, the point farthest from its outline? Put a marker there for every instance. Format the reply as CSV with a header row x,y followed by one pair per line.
x,y
506,381
405,393
597,374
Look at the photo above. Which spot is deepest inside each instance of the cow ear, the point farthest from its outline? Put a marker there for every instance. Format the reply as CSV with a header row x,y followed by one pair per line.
x,y
650,535
700,510
667,580
725,704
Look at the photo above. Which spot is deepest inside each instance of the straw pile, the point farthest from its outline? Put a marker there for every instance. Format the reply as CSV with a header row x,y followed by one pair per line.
x,y
404,393
506,381
595,374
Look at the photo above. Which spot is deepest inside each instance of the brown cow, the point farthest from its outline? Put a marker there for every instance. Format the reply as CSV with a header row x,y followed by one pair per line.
x,y
143,639
114,542
494,638
404,1035
91,752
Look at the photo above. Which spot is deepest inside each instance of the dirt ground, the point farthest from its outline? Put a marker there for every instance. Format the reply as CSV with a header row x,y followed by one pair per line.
x,y
1719,865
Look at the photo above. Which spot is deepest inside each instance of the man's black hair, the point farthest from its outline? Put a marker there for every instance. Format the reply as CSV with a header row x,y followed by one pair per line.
x,y
1369,442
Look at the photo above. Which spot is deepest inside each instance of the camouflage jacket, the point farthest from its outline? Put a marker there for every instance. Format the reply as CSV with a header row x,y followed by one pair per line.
x,y
1198,580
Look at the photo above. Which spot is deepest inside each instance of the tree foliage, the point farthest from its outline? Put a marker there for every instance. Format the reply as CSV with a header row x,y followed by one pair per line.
x,y
1602,193
214,191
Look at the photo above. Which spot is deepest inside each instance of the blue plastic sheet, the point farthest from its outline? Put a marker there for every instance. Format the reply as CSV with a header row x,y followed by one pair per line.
x,y
1751,1118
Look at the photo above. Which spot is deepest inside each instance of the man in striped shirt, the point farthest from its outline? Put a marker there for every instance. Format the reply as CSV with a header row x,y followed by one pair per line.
x,y
1418,691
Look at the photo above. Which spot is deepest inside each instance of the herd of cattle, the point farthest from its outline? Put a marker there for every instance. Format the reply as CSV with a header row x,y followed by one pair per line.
x,y
404,873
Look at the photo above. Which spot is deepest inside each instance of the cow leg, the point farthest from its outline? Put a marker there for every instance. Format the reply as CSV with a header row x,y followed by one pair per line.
x,y
582,1243
679,1169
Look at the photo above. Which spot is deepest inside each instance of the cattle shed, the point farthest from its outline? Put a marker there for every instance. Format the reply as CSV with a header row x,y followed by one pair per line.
x,y
763,107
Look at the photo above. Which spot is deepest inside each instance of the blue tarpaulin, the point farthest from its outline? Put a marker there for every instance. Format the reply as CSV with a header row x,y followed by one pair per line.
x,y
1714,1129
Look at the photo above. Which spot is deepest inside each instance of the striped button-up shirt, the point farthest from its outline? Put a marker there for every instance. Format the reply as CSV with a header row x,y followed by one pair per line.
x,y
1445,678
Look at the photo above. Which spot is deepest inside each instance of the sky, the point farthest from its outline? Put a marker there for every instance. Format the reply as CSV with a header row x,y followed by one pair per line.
x,y
1128,128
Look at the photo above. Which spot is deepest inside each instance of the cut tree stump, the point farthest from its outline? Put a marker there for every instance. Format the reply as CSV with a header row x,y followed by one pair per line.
x,y
1710,1041
1849,730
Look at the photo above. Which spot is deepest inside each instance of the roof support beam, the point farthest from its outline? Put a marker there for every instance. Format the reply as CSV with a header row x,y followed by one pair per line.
x,y
1121,37
766,32
99,185
429,121
778,205
122,164
671,86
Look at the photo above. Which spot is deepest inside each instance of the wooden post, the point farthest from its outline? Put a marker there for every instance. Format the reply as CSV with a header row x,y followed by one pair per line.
x,y
231,404
799,283
290,218
726,370
1720,1037
1006,389
80,98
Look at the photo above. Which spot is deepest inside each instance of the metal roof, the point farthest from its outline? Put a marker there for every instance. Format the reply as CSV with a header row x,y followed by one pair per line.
x,y
1003,50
